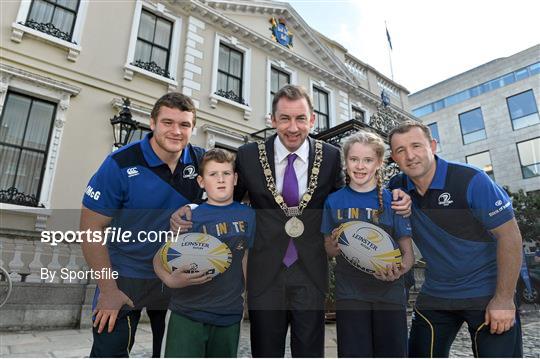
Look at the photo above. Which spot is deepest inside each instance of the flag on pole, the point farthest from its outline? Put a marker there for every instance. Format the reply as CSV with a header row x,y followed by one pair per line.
x,y
389,49
388,37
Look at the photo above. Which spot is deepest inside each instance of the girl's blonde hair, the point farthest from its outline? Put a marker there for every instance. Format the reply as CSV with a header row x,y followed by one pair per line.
x,y
377,144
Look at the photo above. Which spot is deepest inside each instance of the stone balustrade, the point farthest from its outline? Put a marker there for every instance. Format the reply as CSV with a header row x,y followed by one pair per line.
x,y
357,69
36,301
23,256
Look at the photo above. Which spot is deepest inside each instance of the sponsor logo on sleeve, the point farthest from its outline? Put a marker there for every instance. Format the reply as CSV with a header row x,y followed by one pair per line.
x,y
501,208
132,171
90,192
445,199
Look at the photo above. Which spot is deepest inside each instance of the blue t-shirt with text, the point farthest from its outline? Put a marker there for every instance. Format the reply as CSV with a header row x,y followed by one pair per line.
x,y
451,224
348,205
219,301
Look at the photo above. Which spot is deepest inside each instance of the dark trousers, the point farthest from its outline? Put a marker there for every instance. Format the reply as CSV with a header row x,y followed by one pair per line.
x,y
145,293
371,330
119,342
291,299
435,324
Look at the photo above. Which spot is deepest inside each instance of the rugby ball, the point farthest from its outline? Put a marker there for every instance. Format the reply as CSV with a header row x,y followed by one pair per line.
x,y
199,251
367,247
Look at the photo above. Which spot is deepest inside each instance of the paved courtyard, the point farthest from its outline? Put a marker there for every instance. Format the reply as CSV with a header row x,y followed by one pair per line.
x,y
77,343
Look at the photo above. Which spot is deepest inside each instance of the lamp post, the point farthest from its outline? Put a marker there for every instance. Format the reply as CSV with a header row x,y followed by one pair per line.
x,y
123,125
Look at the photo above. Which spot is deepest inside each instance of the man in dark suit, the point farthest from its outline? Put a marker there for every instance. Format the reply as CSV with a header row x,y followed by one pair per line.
x,y
287,267
287,178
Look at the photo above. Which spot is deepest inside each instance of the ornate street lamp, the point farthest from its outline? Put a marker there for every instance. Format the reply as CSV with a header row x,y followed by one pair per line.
x,y
123,125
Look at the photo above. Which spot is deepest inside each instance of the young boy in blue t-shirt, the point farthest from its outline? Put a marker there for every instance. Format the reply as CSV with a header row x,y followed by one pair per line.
x,y
204,313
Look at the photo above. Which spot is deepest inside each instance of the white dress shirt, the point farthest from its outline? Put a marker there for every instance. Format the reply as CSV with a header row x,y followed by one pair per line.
x,y
300,164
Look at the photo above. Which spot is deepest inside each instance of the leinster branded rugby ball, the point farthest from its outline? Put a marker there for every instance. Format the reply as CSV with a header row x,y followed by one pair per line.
x,y
199,251
367,247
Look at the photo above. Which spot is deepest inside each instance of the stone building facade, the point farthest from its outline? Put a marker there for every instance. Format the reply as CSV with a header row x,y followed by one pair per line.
x,y
488,117
65,68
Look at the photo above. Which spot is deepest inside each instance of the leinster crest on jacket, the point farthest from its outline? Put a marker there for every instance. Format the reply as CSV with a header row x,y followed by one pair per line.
x,y
280,33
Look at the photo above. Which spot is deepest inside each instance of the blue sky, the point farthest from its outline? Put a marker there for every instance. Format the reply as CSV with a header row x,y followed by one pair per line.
x,y
432,39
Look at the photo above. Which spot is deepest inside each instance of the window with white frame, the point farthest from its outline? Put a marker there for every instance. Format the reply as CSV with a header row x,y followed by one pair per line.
x,y
230,74
57,21
32,119
53,17
278,74
154,43
321,109
25,132
529,157
278,79
152,52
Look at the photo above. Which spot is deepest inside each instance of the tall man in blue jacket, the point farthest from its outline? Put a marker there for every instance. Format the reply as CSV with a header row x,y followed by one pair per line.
x,y
464,225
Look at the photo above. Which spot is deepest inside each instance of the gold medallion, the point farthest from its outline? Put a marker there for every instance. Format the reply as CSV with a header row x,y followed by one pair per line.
x,y
294,227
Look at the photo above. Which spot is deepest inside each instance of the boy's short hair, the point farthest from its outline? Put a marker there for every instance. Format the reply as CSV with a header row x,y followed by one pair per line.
x,y
405,127
217,155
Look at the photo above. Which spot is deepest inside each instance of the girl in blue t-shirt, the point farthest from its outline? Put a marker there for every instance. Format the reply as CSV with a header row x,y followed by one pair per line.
x,y
371,308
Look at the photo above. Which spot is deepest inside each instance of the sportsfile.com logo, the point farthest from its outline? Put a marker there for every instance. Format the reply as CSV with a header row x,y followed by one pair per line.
x,y
132,171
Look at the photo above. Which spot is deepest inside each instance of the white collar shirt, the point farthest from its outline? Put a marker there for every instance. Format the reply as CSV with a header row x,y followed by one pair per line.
x,y
300,164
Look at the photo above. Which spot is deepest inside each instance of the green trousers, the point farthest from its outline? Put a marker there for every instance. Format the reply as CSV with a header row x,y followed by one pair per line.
x,y
187,338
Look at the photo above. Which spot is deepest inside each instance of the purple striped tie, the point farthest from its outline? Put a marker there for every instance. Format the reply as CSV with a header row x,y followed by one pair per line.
x,y
290,195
